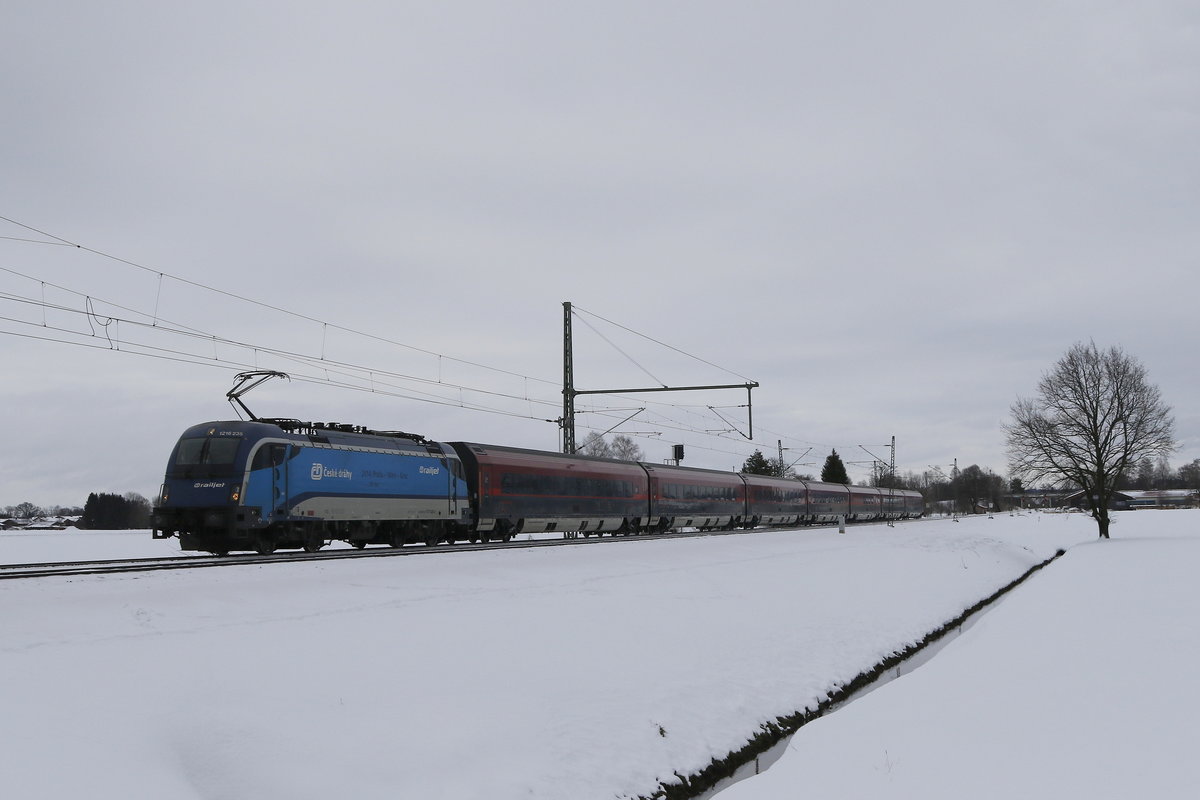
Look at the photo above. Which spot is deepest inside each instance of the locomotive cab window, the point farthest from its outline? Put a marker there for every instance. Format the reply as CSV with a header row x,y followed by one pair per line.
x,y
206,450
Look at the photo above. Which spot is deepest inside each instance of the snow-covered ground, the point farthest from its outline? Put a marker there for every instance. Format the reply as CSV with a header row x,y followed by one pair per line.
x,y
1081,684
598,671
35,547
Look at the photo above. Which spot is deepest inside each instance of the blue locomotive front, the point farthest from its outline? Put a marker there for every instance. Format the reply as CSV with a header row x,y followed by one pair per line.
x,y
281,483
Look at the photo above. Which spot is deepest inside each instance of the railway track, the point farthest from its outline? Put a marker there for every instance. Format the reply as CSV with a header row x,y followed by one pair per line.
x,y
127,565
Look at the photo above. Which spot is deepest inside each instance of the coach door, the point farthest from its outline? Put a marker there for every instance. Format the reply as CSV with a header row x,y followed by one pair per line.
x,y
266,487
279,480
453,481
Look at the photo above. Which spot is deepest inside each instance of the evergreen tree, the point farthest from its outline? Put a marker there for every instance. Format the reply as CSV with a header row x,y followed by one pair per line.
x,y
834,470
112,512
757,464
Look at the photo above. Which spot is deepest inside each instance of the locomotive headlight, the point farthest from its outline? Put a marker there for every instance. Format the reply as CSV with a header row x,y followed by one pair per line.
x,y
235,494
164,493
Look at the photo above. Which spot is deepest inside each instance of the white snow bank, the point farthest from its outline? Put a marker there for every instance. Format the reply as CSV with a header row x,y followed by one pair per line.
x,y
582,672
1081,683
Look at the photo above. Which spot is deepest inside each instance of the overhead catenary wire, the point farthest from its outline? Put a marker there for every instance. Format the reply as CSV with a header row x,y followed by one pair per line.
x,y
241,298
167,325
633,361
160,274
346,374
740,453
344,369
663,344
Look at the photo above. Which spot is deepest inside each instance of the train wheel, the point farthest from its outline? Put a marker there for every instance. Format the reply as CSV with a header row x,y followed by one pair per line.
x,y
265,545
313,545
358,544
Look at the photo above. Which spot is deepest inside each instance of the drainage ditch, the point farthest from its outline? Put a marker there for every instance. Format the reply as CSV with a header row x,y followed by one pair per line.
x,y
768,744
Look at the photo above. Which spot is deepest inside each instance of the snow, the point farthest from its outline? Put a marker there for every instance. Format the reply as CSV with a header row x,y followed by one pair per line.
x,y
1079,684
599,670
48,546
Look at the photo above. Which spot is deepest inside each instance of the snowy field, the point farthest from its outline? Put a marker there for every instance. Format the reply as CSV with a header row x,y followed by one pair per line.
x,y
35,547
1080,684
598,671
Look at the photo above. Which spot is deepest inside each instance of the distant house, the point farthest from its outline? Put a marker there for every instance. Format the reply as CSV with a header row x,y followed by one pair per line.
x,y
46,524
39,524
1163,498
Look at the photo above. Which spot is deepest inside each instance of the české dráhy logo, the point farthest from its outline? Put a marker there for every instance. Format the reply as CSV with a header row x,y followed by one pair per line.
x,y
320,471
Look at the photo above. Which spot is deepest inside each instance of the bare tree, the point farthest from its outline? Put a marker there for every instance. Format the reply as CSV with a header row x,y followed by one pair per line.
x,y
138,510
28,510
977,489
1164,475
594,445
1096,417
1189,475
626,448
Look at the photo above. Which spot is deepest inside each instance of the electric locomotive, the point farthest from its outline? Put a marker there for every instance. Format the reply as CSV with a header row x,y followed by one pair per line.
x,y
265,484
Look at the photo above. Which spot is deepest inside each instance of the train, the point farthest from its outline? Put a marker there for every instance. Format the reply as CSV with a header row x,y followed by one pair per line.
x,y
267,484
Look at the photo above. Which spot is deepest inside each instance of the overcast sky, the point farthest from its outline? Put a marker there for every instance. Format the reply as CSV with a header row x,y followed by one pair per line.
x,y
894,217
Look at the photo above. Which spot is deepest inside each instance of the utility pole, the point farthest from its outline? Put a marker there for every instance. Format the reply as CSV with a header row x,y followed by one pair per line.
x,y
570,392
892,468
892,482
568,417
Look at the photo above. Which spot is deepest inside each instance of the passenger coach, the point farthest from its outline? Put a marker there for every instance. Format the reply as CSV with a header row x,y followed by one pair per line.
x,y
527,491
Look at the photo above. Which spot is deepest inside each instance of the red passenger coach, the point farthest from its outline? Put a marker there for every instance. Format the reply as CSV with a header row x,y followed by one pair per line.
x,y
686,497
914,504
893,503
775,501
827,502
865,503
530,491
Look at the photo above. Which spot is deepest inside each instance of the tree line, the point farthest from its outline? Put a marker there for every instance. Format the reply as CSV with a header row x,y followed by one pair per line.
x,y
102,511
29,510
